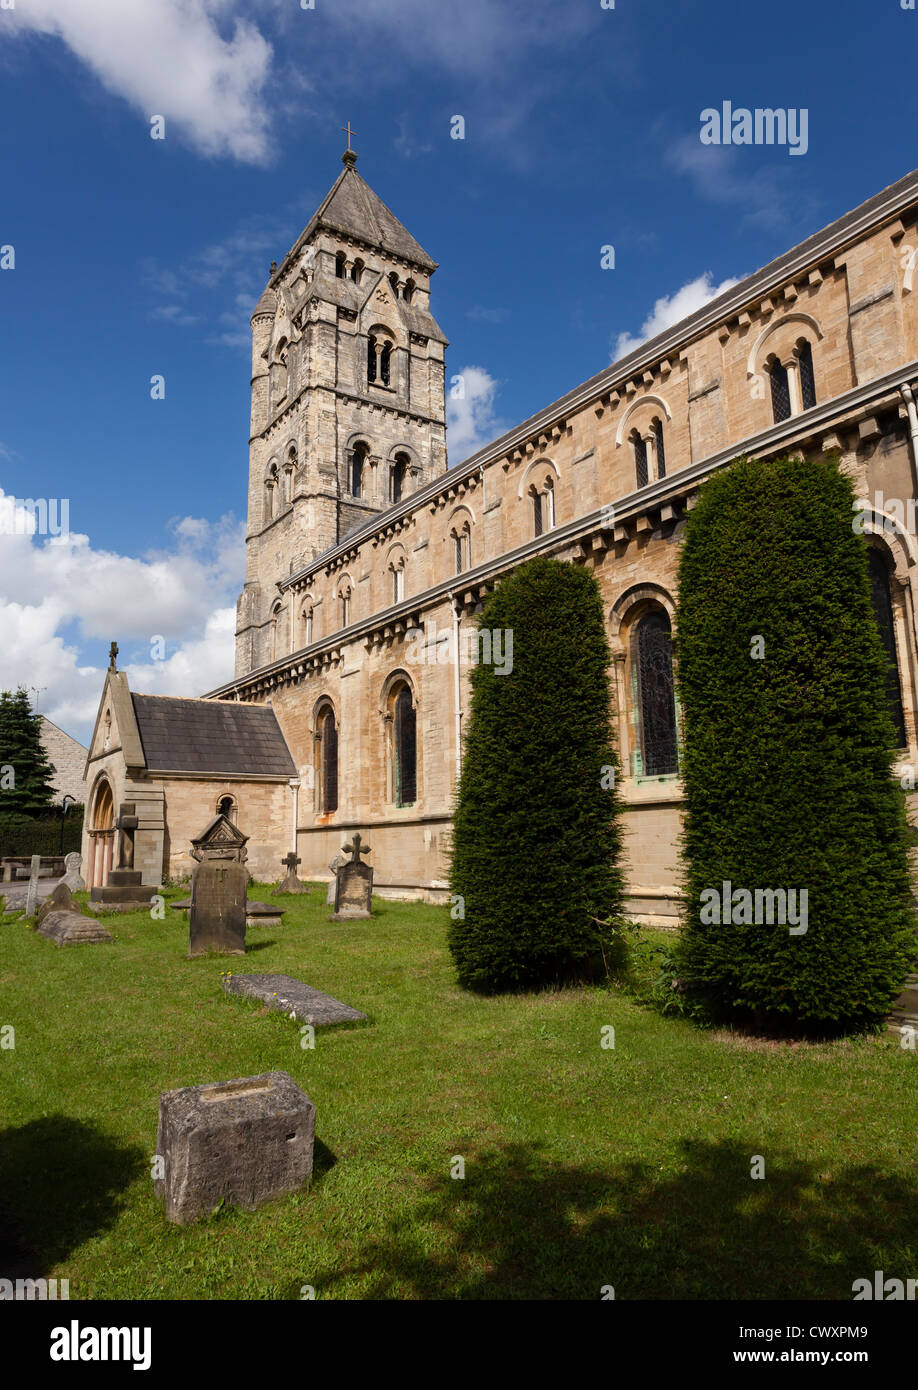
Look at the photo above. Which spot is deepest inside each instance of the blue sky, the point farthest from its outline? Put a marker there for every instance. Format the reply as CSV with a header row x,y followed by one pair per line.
x,y
136,257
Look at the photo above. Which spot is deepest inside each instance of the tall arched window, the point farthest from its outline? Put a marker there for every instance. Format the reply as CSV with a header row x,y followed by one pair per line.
x,y
393,281
408,291
270,493
307,625
883,609
398,581
227,807
405,768
356,271
289,474
807,379
537,517
658,443
652,658
276,636
640,458
371,357
397,476
462,547
358,459
326,762
385,362
780,391
340,263
344,601
548,511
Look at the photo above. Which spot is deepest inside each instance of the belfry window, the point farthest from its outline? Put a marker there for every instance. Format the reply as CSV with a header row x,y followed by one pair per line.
x,y
656,705
358,459
883,610
807,379
340,263
397,477
780,392
385,359
371,358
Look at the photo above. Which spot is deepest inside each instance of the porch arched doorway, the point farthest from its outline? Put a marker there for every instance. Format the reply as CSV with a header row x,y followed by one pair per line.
x,y
101,835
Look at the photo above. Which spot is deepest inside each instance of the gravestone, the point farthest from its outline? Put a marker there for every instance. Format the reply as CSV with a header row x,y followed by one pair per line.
x,y
242,1142
338,861
353,885
60,900
291,884
72,876
262,914
292,997
217,916
32,894
220,839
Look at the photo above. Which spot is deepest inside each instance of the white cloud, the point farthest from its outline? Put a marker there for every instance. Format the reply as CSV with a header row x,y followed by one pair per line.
x,y
670,310
470,419
170,58
56,594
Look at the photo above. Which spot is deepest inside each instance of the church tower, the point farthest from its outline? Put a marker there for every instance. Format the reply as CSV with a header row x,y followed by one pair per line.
x,y
348,394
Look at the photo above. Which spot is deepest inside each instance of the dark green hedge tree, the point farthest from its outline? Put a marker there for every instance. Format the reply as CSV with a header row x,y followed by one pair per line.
x,y
28,790
787,757
536,840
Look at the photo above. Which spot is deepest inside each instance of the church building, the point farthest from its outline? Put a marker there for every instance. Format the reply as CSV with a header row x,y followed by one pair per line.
x,y
368,557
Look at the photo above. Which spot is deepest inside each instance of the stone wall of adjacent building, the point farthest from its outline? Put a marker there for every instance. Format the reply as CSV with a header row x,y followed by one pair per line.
x,y
68,758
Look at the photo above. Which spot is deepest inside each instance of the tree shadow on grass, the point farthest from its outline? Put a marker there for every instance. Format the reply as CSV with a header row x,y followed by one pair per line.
x,y
523,1226
59,1185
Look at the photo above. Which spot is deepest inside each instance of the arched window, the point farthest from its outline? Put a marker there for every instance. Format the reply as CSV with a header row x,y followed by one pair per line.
x,y
358,459
883,609
356,271
289,474
371,357
344,600
270,492
404,720
807,379
227,807
340,263
398,582
385,360
658,443
640,458
307,625
408,291
397,476
326,762
393,281
275,638
780,391
537,520
652,662
548,511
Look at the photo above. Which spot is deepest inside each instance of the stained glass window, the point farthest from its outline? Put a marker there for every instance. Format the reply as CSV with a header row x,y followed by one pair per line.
x,y
640,460
780,393
406,778
807,380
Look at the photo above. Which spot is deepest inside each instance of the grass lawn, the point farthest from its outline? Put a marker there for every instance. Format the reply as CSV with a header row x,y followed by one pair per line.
x,y
583,1166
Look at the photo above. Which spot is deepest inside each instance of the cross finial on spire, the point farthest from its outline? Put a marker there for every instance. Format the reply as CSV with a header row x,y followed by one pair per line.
x,y
350,156
348,132
113,657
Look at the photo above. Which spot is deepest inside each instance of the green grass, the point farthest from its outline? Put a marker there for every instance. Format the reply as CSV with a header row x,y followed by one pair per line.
x,y
584,1166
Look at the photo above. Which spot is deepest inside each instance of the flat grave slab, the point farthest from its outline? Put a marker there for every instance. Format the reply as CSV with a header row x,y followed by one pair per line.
x,y
72,929
290,996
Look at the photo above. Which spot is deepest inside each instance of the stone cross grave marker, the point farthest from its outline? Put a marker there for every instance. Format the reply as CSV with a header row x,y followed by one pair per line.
x,y
354,883
291,884
72,876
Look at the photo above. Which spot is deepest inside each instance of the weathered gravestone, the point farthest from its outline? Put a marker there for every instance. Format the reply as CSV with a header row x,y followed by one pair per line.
x,y
292,997
32,894
218,889
354,885
338,862
291,884
61,920
217,916
242,1142
72,876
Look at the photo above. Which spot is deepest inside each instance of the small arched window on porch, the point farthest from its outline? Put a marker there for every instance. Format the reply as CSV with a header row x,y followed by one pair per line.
x,y
227,807
404,747
883,610
326,761
652,665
